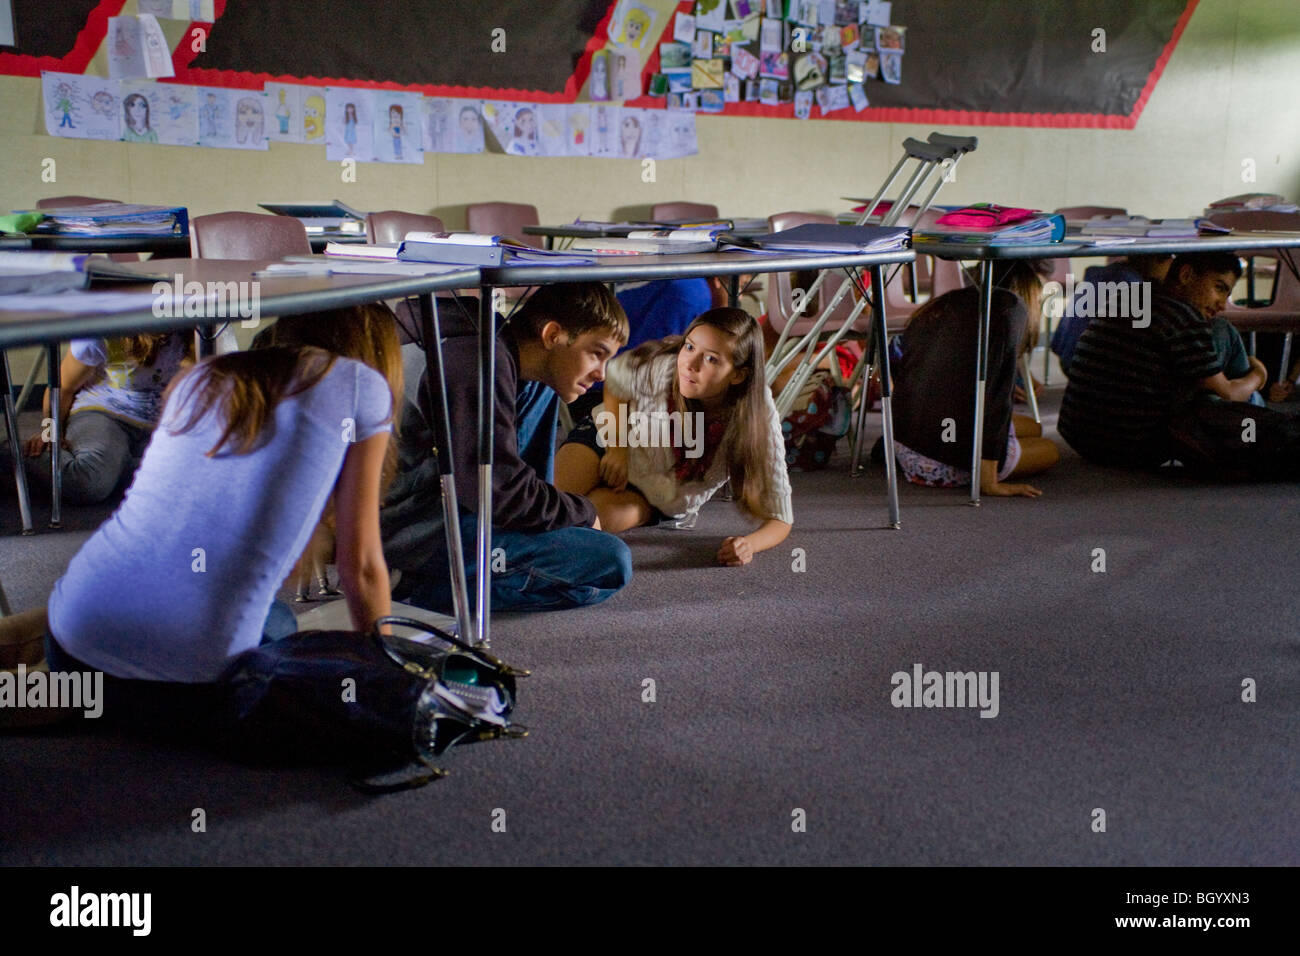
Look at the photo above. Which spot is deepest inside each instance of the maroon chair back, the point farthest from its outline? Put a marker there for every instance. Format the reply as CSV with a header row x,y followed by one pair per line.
x,y
392,225
247,235
669,211
503,219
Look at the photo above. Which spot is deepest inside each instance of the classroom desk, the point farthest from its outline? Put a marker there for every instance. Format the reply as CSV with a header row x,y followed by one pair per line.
x,y
46,242
277,296
606,230
1075,246
611,269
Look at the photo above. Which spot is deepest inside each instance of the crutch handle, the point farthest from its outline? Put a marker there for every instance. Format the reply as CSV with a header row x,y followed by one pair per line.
x,y
960,144
930,152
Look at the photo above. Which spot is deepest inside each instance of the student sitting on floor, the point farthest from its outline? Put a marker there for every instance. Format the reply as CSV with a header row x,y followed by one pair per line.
x,y
551,553
680,417
250,445
1136,386
934,411
110,400
1079,311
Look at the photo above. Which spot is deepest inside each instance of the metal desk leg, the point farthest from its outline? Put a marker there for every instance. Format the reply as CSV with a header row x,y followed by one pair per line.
x,y
733,291
431,336
54,363
487,338
15,449
981,375
1030,397
881,347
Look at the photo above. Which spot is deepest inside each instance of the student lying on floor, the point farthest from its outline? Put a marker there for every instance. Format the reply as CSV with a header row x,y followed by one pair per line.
x,y
680,417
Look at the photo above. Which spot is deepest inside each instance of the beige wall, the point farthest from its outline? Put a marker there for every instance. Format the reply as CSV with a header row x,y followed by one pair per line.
x,y
1229,93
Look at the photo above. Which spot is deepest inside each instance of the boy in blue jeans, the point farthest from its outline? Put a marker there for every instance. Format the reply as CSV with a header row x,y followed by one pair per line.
x,y
549,551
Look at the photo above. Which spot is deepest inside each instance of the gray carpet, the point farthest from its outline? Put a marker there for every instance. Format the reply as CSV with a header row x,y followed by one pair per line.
x,y
1118,690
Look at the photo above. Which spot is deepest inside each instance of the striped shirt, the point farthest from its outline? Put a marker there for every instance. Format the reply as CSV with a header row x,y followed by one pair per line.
x,y
1127,383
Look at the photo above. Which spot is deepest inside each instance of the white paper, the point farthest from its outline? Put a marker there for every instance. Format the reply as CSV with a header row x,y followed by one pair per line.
x,y
684,28
633,24
81,107
578,129
78,302
624,73
171,116
552,129
231,119
711,15
877,12
349,123
284,106
397,127
680,139
453,125
604,130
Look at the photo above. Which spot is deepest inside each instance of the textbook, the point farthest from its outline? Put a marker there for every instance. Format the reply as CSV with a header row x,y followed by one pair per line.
x,y
351,265
650,242
321,217
45,272
817,237
115,219
1140,226
473,249
363,250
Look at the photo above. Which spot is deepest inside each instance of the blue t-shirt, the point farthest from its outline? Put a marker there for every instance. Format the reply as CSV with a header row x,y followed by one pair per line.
x,y
180,578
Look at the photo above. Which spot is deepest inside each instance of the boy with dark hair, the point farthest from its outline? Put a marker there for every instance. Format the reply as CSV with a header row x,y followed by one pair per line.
x,y
1137,388
548,550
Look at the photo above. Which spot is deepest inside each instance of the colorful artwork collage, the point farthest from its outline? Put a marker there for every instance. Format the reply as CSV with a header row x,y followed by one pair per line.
x,y
773,52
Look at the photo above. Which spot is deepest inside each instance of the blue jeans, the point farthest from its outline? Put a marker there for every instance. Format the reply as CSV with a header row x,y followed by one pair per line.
x,y
539,571
105,450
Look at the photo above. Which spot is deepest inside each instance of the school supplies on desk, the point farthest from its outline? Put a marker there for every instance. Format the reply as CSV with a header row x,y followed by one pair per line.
x,y
473,249
345,265
115,219
992,225
650,242
817,237
24,272
1252,202
321,217
363,250
1140,226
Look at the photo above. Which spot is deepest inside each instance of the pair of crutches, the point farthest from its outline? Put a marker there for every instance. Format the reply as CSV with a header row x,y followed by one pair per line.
x,y
940,153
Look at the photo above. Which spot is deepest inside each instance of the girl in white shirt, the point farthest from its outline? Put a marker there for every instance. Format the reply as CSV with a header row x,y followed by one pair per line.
x,y
680,417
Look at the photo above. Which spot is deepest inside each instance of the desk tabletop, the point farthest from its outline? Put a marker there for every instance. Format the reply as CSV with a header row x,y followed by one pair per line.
x,y
686,266
1075,246
275,296
612,230
46,242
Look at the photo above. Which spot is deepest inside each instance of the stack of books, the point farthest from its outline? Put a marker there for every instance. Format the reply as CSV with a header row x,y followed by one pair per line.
x,y
1141,227
817,237
473,249
42,273
652,242
1033,229
116,220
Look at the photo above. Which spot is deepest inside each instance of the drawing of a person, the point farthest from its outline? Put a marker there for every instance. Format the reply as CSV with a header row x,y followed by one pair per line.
x,y
396,128
103,103
524,142
138,128
248,120
471,130
598,89
350,126
620,75
282,114
63,103
636,26
630,136
208,117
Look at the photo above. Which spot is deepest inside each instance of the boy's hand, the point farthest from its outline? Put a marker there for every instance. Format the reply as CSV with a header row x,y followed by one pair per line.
x,y
735,552
1281,391
613,468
